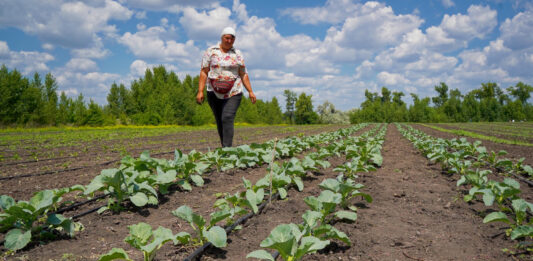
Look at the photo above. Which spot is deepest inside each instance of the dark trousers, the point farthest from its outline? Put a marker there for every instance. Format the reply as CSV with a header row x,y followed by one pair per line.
x,y
224,111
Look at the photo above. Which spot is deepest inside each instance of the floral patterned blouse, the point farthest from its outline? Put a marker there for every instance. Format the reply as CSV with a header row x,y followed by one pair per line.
x,y
224,66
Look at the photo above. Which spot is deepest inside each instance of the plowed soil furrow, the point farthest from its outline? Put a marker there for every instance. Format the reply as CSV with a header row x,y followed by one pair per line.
x,y
415,214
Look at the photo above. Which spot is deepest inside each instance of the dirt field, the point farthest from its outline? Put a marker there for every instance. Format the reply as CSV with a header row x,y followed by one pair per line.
x,y
417,213
20,179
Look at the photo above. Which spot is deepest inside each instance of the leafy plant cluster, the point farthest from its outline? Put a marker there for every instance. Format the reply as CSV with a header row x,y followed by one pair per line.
x,y
25,221
148,241
141,181
229,207
294,241
468,160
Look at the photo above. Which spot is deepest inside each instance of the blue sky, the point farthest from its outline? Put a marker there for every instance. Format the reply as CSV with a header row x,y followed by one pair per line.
x,y
332,49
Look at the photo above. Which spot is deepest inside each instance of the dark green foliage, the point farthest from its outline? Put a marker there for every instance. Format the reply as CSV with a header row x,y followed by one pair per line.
x,y
488,103
160,97
304,113
157,98
290,99
384,108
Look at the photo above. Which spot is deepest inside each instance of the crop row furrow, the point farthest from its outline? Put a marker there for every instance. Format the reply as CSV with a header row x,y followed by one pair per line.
x,y
469,161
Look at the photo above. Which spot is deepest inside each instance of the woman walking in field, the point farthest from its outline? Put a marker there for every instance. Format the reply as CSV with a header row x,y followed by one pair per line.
x,y
224,73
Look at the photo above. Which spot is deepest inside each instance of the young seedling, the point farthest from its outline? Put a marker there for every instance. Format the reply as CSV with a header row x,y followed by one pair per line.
x,y
143,238
216,235
326,203
346,187
290,242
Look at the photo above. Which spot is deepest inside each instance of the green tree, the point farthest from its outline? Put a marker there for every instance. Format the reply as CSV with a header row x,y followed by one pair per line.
x,y
328,114
442,91
272,112
247,111
114,101
521,91
453,107
79,110
290,99
64,110
50,99
304,113
420,111
94,115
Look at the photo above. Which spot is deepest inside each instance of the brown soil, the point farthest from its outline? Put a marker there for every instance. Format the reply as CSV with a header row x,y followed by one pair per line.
x,y
417,214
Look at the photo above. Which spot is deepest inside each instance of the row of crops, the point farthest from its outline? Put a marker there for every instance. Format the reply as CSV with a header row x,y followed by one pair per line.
x,y
474,165
141,181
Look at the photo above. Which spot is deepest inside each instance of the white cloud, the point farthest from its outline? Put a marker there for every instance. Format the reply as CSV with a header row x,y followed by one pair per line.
x,y
392,78
372,27
155,43
64,23
138,67
240,11
81,64
479,22
432,63
517,32
334,11
448,3
164,22
171,5
97,50
206,25
48,47
456,31
92,84
261,44
4,49
24,61
140,15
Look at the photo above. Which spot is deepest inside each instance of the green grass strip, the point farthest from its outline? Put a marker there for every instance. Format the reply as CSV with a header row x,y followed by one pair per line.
x,y
478,136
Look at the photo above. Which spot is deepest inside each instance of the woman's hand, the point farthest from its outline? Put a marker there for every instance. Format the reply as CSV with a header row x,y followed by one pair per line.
x,y
200,97
252,97
201,85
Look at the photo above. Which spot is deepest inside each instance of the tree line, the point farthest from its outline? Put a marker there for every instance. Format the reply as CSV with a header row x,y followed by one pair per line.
x,y
160,97
487,103
157,98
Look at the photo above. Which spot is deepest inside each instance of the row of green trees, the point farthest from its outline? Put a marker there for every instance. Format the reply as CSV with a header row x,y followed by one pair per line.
x,y
487,103
160,97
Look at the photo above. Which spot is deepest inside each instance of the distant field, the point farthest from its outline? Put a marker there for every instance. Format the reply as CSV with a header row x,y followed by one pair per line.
x,y
505,132
47,143
85,151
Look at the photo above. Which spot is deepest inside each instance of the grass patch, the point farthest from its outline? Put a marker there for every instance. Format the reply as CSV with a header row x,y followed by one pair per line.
x,y
478,136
